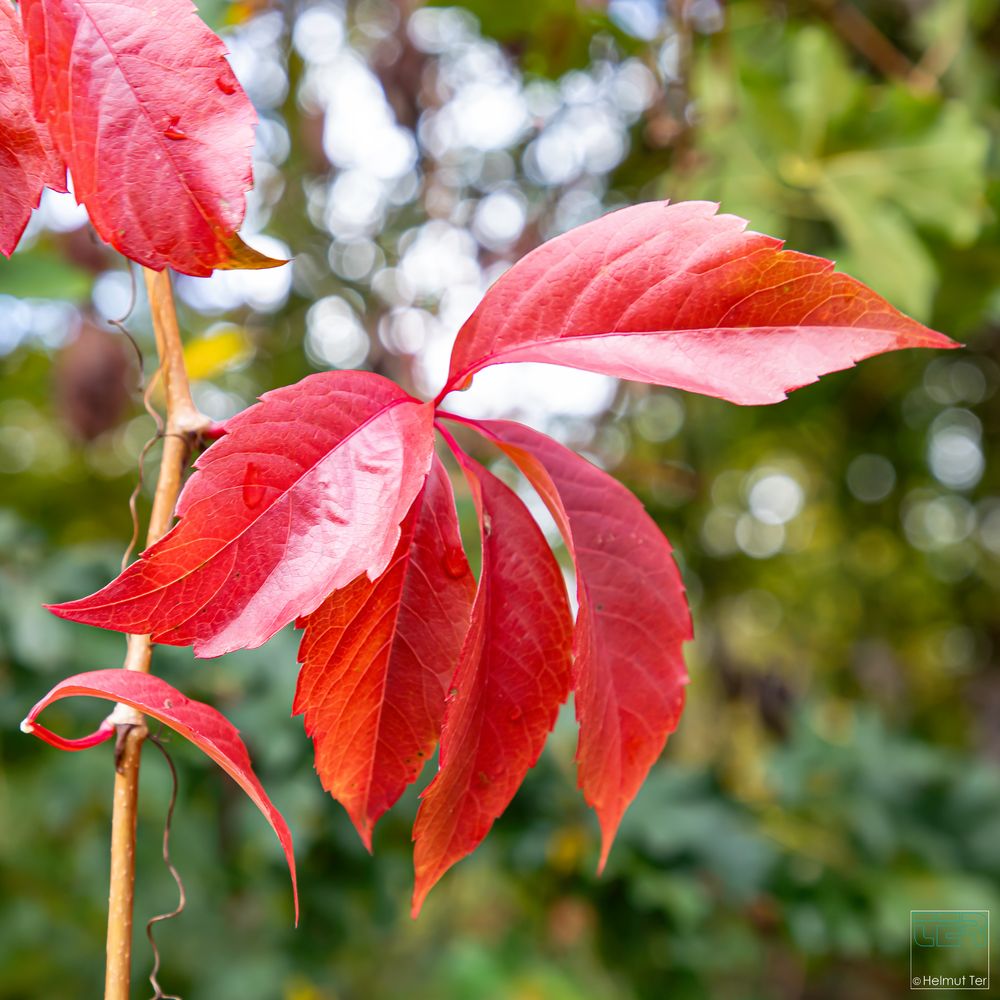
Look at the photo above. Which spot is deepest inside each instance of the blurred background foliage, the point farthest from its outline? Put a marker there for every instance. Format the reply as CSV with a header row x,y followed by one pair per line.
x,y
839,762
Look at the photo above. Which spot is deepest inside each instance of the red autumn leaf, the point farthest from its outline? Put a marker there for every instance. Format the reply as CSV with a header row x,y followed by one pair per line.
x,y
206,728
316,505
305,492
153,125
377,657
677,295
28,161
512,676
631,625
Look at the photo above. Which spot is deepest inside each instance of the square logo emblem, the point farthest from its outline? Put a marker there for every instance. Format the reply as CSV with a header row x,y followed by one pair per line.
x,y
949,949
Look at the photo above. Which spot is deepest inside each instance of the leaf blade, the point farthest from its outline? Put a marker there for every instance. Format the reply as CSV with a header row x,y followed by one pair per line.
x,y
377,657
204,726
512,676
677,295
152,123
305,491
28,160
633,620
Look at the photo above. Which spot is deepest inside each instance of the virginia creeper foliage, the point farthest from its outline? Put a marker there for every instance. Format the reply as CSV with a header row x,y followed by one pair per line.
x,y
207,728
305,492
378,656
146,113
324,504
631,622
28,161
318,506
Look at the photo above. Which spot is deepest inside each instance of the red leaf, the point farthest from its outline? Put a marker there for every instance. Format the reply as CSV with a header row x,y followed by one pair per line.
x,y
677,295
305,492
206,728
512,676
28,161
377,657
152,123
633,619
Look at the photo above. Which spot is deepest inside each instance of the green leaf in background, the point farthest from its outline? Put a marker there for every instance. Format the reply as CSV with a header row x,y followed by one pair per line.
x,y
822,86
43,274
549,37
792,136
936,177
879,243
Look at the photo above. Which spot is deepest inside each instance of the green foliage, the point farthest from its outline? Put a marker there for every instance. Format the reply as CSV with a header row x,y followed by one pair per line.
x,y
887,168
549,38
43,275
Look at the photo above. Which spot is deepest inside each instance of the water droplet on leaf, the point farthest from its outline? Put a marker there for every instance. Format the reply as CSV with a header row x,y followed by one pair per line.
x,y
173,131
254,490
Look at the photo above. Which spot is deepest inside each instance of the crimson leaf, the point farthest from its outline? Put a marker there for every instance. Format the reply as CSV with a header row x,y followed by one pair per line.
x,y
512,676
206,728
632,621
377,657
28,161
677,295
304,492
153,125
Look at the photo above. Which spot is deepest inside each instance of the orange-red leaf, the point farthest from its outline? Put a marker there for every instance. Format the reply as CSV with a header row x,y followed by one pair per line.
x,y
377,657
206,728
305,491
632,622
677,295
152,123
28,160
513,674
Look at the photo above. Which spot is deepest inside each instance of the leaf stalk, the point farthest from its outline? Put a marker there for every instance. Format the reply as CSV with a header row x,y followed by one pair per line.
x,y
184,425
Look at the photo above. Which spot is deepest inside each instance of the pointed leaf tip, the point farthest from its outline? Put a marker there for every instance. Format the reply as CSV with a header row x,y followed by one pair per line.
x,y
203,725
241,256
102,734
513,673
377,657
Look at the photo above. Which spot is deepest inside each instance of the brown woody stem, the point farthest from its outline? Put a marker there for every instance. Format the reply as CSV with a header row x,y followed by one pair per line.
x,y
184,424
854,26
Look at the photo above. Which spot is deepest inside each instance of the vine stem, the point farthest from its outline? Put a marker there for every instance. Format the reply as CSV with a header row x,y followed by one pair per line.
x,y
184,424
